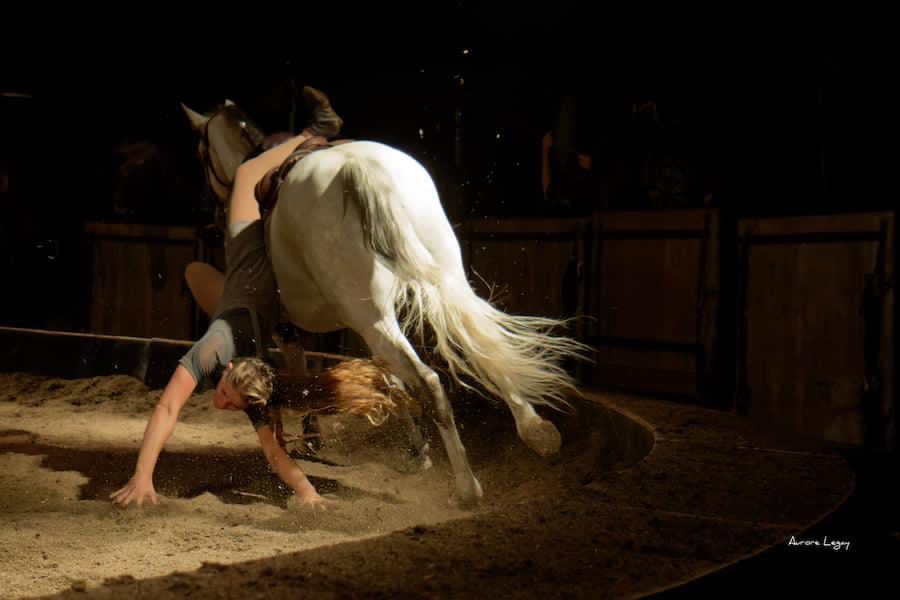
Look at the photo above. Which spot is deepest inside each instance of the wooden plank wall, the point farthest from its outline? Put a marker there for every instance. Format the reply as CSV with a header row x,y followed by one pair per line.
x,y
648,284
528,266
815,342
653,298
138,284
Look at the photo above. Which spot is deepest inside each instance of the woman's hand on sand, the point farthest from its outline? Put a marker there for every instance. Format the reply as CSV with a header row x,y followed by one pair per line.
x,y
307,501
136,490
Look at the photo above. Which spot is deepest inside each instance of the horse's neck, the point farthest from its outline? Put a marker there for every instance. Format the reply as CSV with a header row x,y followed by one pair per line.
x,y
230,157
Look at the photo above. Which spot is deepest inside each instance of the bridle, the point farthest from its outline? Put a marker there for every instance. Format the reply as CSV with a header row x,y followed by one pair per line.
x,y
249,132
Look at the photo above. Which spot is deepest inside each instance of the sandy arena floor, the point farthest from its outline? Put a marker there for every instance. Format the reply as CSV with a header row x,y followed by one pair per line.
x,y
65,445
591,521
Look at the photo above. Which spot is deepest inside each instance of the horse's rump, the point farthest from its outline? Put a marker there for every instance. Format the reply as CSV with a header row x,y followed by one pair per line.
x,y
267,188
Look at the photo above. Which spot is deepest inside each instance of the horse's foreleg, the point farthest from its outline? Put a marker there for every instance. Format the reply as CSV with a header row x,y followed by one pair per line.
x,y
419,459
294,354
418,447
312,435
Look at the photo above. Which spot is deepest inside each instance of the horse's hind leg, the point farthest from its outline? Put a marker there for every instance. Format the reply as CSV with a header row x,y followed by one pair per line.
x,y
387,341
538,433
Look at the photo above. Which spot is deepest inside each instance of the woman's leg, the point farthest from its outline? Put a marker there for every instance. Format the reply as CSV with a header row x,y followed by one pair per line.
x,y
243,198
325,122
206,284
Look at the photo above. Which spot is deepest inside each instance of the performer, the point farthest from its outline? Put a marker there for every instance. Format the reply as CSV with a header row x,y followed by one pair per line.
x,y
231,354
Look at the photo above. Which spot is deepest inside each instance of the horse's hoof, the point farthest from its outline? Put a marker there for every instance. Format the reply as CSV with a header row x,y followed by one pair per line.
x,y
468,496
417,463
542,436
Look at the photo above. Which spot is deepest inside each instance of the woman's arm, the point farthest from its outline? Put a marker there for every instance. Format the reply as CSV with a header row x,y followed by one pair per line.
x,y
287,469
158,431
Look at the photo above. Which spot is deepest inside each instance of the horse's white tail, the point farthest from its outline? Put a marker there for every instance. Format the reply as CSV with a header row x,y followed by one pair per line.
x,y
506,354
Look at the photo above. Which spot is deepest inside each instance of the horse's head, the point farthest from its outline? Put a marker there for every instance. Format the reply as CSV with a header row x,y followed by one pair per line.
x,y
227,136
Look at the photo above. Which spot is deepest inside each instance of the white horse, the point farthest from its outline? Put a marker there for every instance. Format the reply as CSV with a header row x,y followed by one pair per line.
x,y
358,234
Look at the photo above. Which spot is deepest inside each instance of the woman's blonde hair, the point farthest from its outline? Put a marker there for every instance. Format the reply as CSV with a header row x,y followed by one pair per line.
x,y
252,378
358,387
366,388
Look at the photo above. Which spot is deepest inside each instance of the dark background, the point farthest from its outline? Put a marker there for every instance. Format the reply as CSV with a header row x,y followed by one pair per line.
x,y
771,126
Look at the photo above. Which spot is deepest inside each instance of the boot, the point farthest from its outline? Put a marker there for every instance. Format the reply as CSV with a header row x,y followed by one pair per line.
x,y
325,122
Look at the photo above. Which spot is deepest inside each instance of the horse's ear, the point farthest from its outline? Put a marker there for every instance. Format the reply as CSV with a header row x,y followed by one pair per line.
x,y
229,102
197,120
